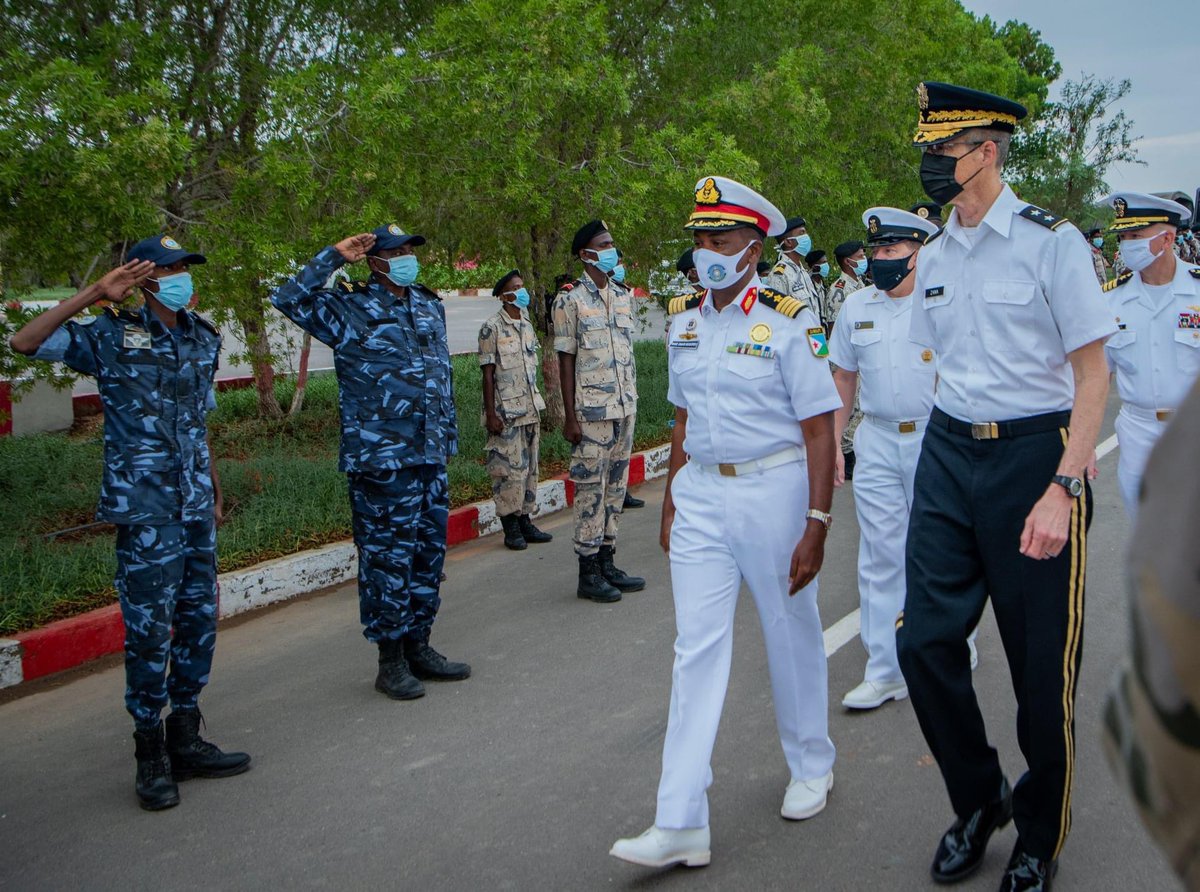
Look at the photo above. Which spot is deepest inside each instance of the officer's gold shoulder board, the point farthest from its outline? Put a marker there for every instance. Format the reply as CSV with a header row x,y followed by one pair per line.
x,y
780,267
1194,272
1118,281
781,303
1042,217
683,302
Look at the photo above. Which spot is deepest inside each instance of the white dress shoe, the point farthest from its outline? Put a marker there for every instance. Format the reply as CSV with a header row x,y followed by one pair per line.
x,y
659,848
871,694
806,798
974,653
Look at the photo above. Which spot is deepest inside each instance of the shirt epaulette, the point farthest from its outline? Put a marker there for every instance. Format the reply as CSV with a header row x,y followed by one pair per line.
x,y
935,236
205,324
782,303
123,314
1194,272
426,290
1121,280
684,302
1042,217
780,267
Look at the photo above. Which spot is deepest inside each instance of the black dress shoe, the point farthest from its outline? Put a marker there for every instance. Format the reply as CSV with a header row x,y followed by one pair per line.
x,y
961,850
1026,873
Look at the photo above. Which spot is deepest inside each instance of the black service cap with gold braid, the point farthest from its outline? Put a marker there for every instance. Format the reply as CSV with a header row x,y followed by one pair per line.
x,y
945,111
723,204
1137,210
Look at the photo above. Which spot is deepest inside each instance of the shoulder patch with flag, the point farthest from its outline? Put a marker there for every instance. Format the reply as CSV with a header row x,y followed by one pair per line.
x,y
817,342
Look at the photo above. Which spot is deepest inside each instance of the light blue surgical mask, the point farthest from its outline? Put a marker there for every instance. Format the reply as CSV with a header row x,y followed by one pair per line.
x,y
800,244
520,298
823,269
403,270
1098,242
860,266
618,273
606,260
175,291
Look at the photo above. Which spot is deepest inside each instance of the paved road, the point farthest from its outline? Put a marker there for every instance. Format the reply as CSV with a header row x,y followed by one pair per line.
x,y
464,315
521,777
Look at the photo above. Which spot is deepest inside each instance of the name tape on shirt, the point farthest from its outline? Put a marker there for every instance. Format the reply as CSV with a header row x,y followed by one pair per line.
x,y
859,326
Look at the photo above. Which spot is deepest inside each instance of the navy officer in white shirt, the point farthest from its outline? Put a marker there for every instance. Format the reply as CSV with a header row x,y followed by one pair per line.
x,y
1155,354
1007,299
751,450
870,344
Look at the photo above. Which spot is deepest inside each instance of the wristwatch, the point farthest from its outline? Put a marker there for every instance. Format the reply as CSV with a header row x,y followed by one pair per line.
x,y
1072,485
824,517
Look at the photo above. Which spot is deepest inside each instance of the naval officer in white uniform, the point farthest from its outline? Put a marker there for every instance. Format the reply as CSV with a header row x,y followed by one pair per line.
x,y
1155,354
871,342
748,497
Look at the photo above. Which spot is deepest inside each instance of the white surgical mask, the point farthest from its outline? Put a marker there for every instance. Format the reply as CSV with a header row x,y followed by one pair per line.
x,y
1137,254
718,270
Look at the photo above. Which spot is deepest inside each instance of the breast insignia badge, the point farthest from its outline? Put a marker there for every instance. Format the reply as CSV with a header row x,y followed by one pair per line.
x,y
760,333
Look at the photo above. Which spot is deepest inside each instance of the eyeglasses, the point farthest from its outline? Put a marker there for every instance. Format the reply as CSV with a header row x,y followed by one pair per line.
x,y
943,148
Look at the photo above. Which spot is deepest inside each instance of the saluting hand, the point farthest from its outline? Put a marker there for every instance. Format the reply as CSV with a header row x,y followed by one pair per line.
x,y
355,248
117,284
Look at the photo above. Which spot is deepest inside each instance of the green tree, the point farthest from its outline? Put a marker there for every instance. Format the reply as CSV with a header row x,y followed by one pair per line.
x,y
1062,161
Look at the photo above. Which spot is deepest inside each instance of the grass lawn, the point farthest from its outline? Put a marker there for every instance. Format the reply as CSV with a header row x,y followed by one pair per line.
x,y
283,492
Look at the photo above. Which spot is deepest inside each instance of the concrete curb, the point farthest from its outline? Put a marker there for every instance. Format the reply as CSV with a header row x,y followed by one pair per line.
x,y
72,642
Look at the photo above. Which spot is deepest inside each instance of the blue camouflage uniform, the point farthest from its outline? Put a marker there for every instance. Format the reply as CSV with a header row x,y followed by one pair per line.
x,y
398,432
156,388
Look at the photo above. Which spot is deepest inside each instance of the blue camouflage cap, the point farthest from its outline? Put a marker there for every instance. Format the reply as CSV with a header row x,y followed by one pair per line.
x,y
162,250
392,236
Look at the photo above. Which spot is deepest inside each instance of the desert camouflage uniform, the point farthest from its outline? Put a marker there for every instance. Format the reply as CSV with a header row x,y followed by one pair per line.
x,y
842,288
1152,715
597,327
1100,265
512,455
156,389
398,431
793,279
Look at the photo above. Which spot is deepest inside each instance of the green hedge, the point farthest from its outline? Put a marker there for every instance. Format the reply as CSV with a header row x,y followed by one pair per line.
x,y
283,492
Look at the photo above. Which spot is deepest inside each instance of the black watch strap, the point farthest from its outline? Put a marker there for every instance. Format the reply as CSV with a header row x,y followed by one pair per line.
x,y
1073,485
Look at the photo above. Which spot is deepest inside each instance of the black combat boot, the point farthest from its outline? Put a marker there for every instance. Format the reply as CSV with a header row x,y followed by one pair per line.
x,y
619,579
429,665
394,678
193,756
633,501
592,584
512,533
156,788
532,533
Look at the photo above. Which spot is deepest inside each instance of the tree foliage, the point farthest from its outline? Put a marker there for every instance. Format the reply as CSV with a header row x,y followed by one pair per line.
x,y
260,130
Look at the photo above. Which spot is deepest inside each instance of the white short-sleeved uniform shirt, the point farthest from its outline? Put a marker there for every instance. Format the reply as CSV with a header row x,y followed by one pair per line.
x,y
1156,350
747,376
871,337
1002,307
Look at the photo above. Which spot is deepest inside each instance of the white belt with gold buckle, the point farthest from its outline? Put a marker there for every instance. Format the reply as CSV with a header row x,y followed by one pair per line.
x,y
774,460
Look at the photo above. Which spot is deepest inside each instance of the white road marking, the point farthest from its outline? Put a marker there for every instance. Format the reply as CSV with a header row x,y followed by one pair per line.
x,y
846,629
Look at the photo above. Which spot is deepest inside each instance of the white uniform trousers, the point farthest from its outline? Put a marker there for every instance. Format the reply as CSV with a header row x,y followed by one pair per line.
x,y
1137,432
883,497
726,530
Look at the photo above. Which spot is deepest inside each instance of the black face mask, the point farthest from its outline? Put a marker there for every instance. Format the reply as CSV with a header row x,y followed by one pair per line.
x,y
937,176
887,274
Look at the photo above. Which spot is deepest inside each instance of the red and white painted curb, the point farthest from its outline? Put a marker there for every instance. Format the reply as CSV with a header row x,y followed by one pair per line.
x,y
72,642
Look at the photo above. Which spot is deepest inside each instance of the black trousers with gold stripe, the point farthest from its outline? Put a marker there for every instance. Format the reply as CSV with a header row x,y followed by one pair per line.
x,y
970,504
